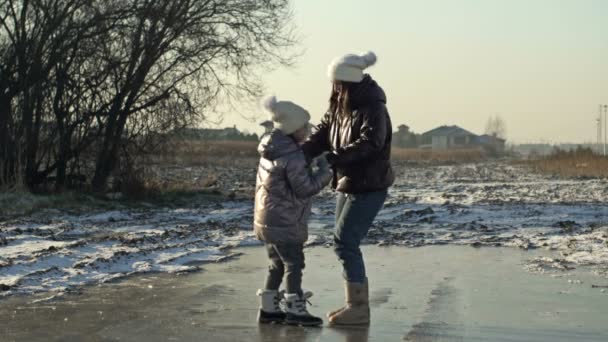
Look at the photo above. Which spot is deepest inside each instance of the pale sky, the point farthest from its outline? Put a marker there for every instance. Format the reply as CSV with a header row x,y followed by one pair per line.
x,y
540,64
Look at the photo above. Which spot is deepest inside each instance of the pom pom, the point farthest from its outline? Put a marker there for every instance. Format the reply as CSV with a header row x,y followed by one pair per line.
x,y
369,58
269,103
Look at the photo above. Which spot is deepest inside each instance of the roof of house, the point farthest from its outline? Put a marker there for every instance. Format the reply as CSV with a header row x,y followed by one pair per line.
x,y
489,138
267,123
448,131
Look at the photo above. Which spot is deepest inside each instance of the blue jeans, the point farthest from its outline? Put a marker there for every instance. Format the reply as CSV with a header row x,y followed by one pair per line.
x,y
355,214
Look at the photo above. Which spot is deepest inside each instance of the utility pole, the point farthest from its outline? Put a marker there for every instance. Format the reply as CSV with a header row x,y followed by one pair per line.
x,y
599,130
605,126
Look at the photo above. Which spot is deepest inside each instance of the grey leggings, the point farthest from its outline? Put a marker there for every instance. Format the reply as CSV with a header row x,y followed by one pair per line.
x,y
285,260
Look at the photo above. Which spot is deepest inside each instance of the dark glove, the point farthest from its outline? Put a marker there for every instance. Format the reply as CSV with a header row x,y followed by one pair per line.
x,y
332,158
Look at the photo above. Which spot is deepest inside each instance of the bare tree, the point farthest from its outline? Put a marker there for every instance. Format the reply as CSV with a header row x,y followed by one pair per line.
x,y
45,46
30,31
188,51
496,127
99,75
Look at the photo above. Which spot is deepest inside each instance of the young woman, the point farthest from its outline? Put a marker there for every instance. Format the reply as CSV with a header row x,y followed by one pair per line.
x,y
357,132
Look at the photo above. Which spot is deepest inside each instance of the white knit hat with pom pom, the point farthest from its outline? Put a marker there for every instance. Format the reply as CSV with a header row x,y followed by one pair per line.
x,y
287,116
349,68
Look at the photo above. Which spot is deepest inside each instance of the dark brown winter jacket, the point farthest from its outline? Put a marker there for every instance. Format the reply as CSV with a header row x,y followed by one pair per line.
x,y
361,142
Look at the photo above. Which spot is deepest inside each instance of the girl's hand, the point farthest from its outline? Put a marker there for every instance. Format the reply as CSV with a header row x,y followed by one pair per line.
x,y
322,162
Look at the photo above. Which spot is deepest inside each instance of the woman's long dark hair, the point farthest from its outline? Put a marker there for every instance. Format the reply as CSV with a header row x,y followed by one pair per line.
x,y
343,107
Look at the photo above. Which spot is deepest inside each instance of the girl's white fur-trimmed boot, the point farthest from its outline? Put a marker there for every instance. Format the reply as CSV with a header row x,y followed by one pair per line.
x,y
270,309
297,314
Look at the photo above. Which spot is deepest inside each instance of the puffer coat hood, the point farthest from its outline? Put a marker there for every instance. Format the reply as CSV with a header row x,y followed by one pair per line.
x,y
367,92
285,185
276,145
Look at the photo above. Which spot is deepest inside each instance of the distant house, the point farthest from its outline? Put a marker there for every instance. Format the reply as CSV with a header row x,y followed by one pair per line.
x,y
492,143
447,137
403,129
268,126
404,137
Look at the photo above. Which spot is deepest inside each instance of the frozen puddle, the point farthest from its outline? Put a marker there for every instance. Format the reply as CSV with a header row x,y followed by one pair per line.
x,y
493,204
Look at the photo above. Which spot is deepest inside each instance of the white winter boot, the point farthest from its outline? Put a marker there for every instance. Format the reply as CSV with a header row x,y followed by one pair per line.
x,y
297,314
270,310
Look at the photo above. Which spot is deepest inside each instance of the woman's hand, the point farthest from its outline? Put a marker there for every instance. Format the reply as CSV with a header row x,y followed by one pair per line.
x,y
327,158
323,174
331,158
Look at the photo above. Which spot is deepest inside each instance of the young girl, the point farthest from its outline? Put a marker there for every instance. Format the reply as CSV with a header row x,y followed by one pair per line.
x,y
284,187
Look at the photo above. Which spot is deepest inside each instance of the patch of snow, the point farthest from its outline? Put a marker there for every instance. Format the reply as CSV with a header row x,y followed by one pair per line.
x,y
491,204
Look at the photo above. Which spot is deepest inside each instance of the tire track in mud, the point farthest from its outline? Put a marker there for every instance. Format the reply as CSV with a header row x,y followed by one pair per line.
x,y
442,320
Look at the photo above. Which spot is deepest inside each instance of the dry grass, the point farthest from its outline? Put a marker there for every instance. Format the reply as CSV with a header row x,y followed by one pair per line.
x,y
224,153
19,203
203,153
153,188
195,165
416,155
578,163
192,166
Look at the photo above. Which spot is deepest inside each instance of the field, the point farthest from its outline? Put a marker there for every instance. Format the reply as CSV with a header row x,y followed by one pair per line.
x,y
581,163
60,245
434,157
205,153
208,166
214,152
